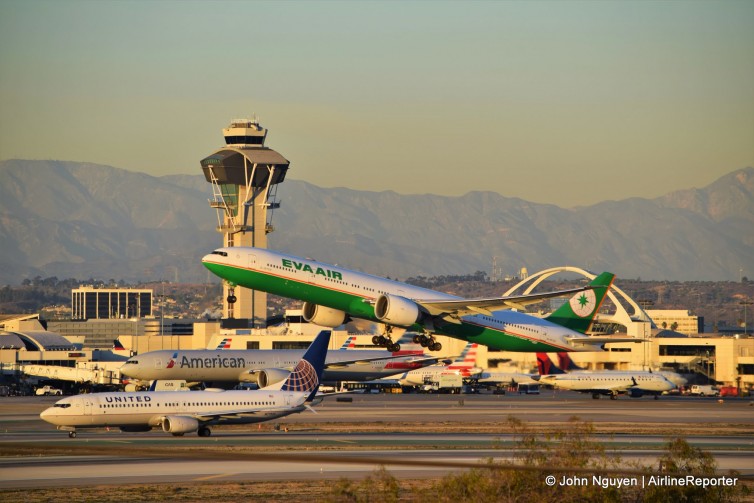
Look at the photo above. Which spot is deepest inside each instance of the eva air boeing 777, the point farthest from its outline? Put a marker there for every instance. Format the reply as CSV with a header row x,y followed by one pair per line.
x,y
332,295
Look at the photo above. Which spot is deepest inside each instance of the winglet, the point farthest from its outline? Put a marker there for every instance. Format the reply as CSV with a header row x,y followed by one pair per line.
x,y
579,312
308,373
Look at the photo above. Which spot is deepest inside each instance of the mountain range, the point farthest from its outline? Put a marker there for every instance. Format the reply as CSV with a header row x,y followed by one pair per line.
x,y
82,220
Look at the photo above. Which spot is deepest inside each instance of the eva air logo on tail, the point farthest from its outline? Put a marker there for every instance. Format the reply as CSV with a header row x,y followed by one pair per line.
x,y
583,303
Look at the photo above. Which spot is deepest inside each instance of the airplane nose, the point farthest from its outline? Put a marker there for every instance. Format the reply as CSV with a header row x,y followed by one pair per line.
x,y
45,415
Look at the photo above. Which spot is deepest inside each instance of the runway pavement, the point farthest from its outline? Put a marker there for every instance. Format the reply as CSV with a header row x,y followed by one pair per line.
x,y
413,435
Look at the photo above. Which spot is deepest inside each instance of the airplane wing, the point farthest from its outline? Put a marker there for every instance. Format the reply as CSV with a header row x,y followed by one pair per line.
x,y
239,413
602,339
364,361
462,307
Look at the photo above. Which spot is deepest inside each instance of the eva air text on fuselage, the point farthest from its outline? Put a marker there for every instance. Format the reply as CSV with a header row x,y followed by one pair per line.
x,y
302,266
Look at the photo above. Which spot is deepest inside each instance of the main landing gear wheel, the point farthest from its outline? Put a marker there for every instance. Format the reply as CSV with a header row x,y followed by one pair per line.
x,y
596,396
386,342
231,296
71,434
428,342
204,432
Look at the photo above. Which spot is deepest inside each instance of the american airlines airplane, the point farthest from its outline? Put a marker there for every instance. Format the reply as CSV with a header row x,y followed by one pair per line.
x,y
464,365
267,366
180,412
332,295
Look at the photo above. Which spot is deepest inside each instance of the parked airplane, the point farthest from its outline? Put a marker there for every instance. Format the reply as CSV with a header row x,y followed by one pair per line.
x,y
567,365
266,366
179,412
609,382
493,377
332,295
464,365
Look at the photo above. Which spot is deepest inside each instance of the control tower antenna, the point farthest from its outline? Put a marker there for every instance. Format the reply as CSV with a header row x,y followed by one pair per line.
x,y
244,175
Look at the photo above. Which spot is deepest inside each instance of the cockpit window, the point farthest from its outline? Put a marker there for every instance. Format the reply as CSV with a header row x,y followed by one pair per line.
x,y
219,252
62,405
132,362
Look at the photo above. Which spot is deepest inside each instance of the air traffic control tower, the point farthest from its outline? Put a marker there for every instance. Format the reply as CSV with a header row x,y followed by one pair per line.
x,y
244,176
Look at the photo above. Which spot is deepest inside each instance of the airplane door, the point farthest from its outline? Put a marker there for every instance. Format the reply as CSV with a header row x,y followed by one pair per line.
x,y
252,261
87,406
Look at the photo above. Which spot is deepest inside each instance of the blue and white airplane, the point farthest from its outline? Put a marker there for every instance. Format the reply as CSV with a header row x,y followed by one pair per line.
x,y
332,295
180,412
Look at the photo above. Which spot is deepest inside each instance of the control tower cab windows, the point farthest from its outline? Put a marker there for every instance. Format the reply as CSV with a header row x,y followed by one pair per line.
x,y
244,140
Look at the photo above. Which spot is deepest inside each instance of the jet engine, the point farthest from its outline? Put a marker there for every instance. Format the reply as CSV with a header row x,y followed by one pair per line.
x,y
323,316
396,310
271,376
178,425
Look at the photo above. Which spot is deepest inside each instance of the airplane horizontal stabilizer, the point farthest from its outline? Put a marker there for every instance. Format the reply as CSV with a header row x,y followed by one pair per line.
x,y
461,307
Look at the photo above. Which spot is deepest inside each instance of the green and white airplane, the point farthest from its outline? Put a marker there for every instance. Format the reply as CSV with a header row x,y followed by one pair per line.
x,y
332,295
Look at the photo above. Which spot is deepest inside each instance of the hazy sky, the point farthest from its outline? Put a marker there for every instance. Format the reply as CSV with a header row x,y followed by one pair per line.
x,y
559,102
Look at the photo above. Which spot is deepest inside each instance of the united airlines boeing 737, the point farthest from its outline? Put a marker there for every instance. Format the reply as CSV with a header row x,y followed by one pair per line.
x,y
332,295
180,412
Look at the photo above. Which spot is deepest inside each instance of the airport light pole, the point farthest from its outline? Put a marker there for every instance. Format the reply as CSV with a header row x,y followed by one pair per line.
x,y
745,303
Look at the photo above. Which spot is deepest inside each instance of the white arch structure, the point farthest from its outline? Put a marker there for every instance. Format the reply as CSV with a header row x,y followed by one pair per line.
x,y
638,324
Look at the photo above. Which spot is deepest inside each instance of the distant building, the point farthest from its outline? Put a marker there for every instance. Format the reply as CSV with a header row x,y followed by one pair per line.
x,y
685,322
102,333
90,303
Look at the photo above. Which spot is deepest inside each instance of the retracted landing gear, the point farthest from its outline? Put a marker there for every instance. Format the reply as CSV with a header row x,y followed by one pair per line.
x,y
428,342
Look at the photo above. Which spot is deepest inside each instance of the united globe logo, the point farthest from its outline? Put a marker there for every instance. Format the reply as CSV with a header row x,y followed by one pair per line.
x,y
303,378
583,303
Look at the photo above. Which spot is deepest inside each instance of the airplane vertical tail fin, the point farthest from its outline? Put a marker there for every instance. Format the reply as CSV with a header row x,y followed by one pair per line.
x,y
308,373
579,312
565,363
350,342
545,366
118,346
467,358
224,344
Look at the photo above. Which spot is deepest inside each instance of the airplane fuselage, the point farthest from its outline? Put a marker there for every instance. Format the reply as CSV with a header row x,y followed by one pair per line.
x,y
238,365
149,408
355,293
421,376
609,381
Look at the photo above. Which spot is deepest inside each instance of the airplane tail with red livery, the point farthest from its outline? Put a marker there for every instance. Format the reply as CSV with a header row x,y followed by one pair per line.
x,y
545,366
565,363
466,361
